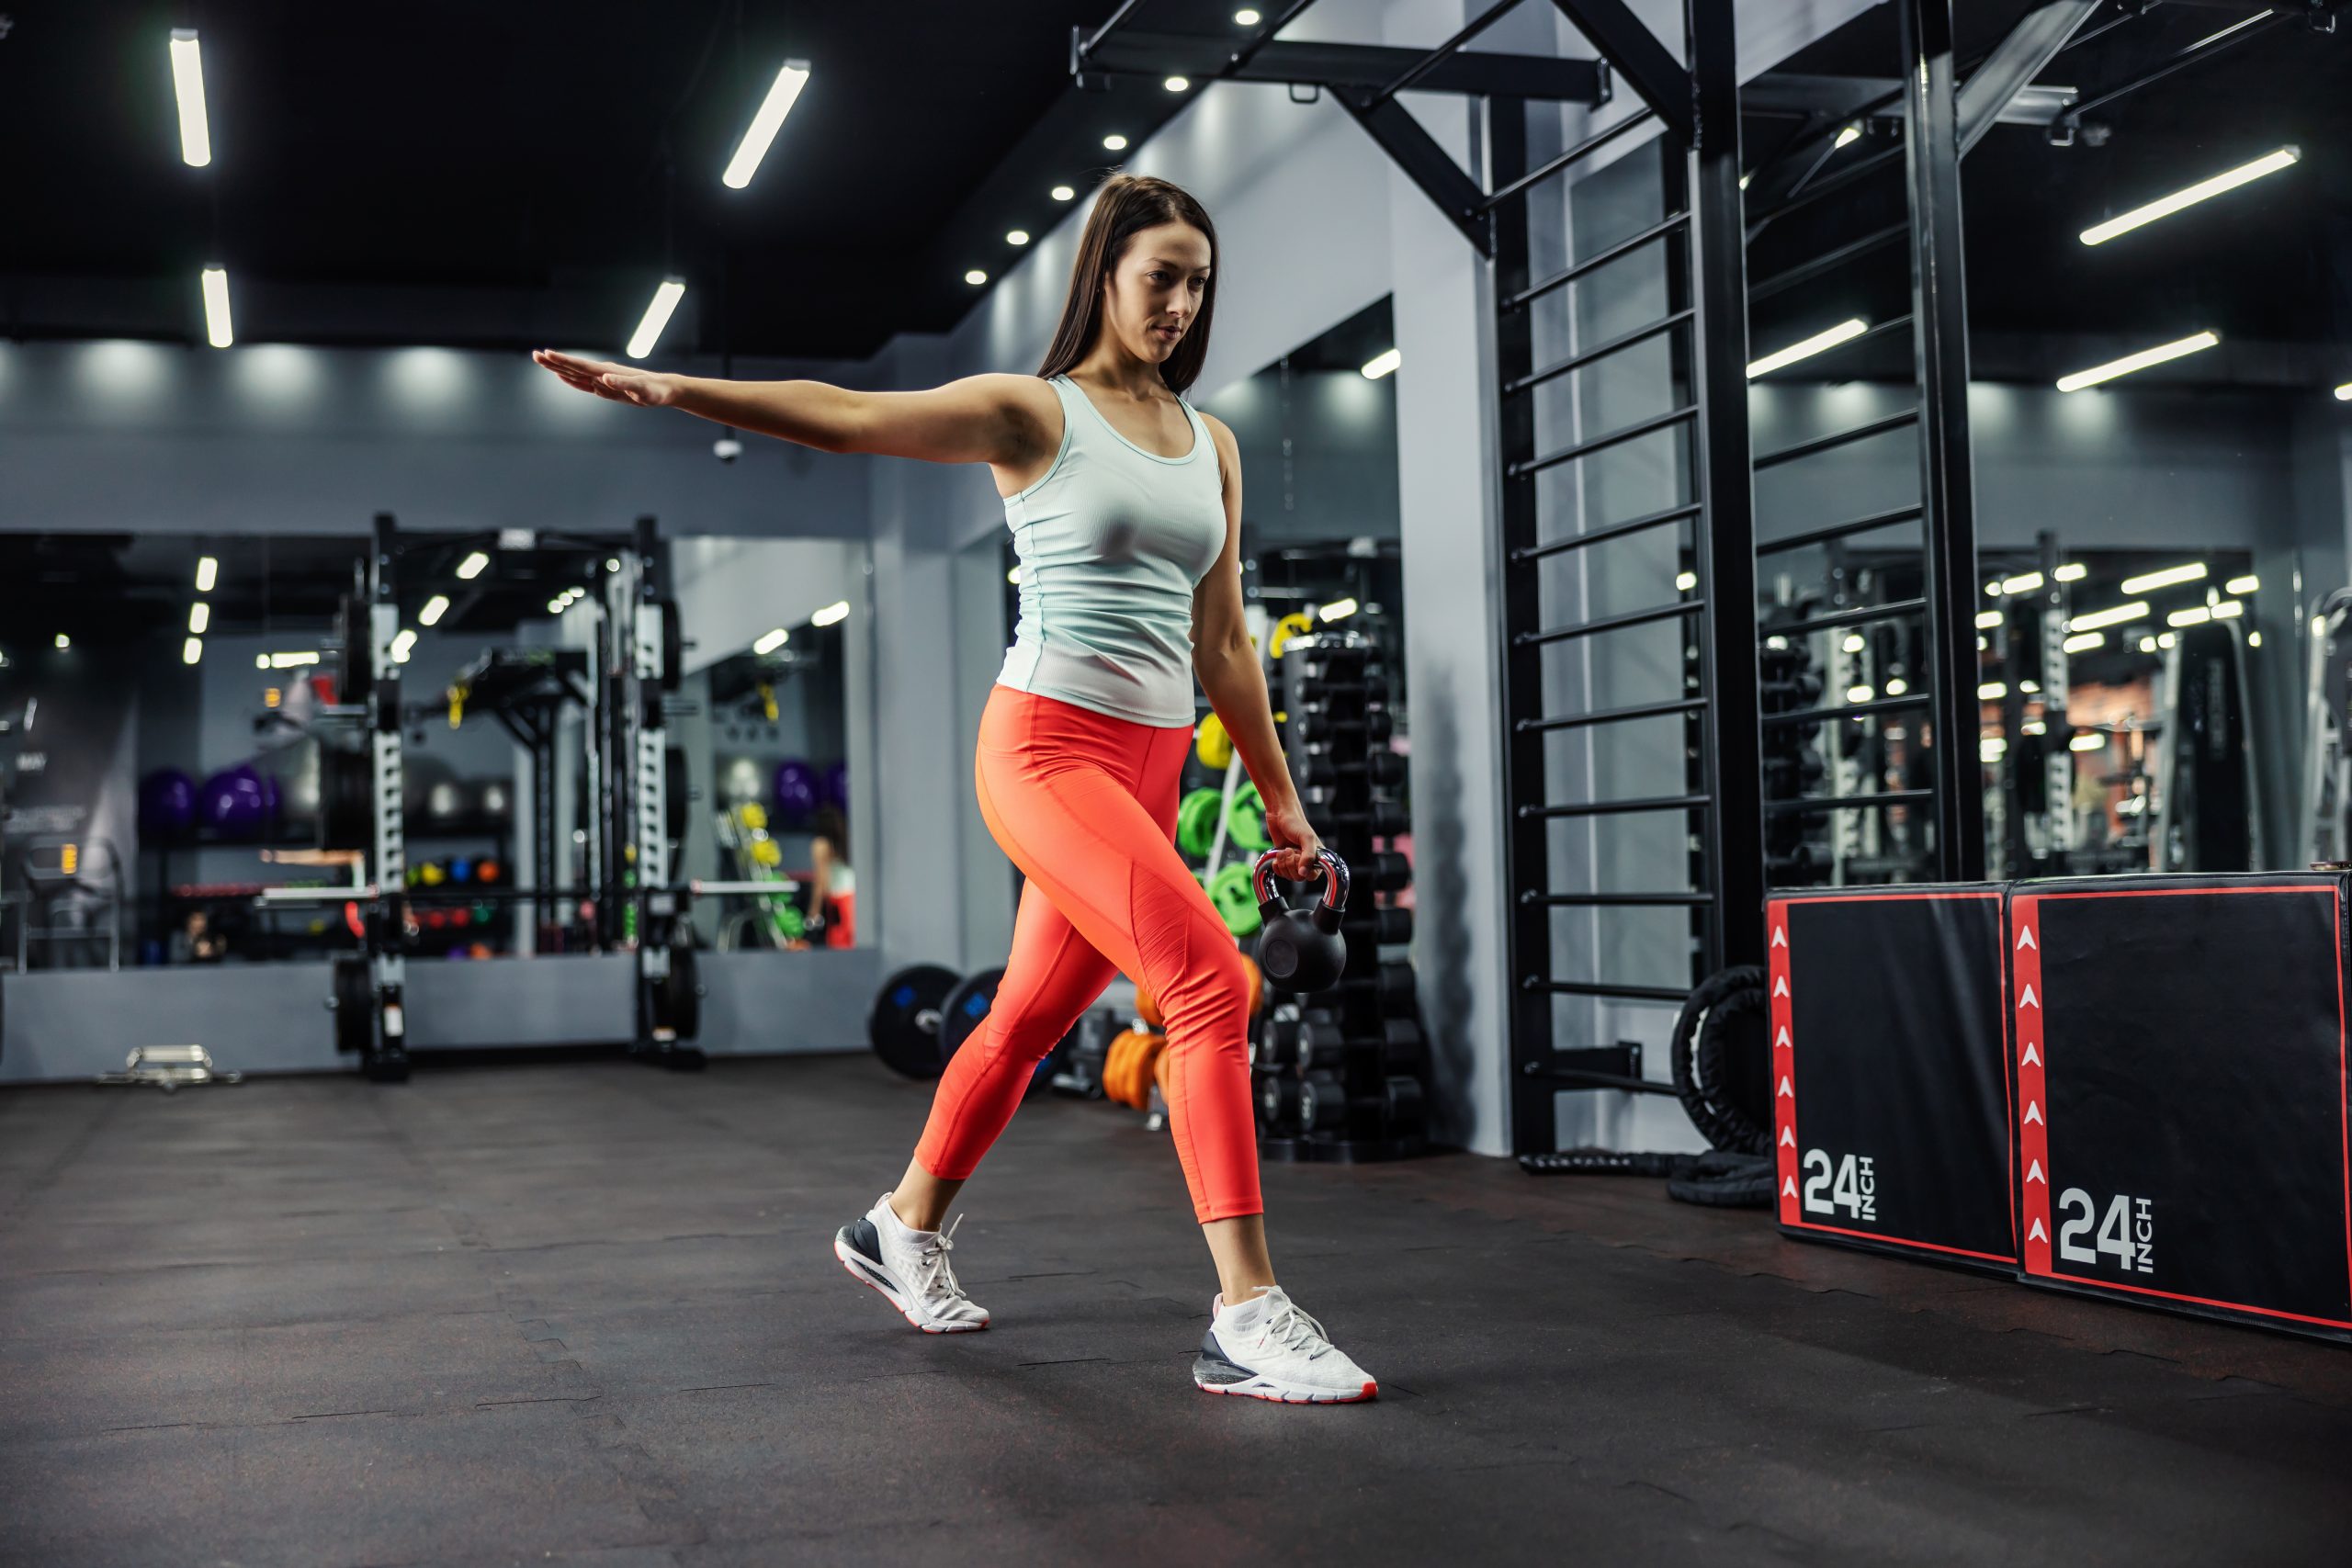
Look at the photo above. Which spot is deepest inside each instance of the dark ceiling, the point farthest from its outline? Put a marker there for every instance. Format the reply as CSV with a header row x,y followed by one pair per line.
x,y
2268,266
512,174
504,176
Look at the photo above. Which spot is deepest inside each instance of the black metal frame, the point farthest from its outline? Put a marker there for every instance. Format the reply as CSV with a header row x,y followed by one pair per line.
x,y
1702,242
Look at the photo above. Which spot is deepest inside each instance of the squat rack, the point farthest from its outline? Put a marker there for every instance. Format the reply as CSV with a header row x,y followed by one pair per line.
x,y
1693,106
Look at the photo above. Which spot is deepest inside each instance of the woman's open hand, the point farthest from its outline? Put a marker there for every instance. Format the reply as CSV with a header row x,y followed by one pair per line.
x,y
621,383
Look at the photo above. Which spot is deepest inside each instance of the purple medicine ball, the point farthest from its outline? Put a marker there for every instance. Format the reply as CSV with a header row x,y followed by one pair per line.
x,y
796,791
231,804
167,805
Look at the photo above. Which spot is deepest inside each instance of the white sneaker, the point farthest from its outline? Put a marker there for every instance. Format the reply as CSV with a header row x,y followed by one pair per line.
x,y
1267,1349
911,1268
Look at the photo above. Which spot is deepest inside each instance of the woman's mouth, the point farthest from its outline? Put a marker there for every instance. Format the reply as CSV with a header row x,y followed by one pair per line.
x,y
1171,334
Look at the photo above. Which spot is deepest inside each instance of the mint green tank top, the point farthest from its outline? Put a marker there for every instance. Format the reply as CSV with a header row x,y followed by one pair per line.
x,y
1111,543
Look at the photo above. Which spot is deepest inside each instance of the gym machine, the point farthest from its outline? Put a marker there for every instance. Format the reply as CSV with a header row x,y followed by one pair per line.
x,y
633,660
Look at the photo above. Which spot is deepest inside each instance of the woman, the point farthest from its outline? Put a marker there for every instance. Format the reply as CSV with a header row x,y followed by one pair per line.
x,y
832,885
1125,510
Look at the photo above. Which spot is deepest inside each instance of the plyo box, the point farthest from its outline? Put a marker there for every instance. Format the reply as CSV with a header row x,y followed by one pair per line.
x,y
1891,1101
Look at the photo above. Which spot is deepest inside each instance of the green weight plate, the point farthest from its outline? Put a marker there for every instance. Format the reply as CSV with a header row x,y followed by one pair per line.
x,y
1196,821
1247,824
1236,900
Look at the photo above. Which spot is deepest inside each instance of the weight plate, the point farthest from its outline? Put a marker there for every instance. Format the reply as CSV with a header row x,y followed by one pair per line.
x,y
1236,900
1196,821
904,1025
966,1007
346,807
1246,826
354,1004
357,677
674,647
1296,624
1212,745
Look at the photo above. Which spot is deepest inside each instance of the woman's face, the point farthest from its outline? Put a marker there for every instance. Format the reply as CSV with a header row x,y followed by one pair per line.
x,y
1153,296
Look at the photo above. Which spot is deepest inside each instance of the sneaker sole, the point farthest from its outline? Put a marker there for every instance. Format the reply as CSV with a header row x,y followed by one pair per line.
x,y
1274,1391
855,1264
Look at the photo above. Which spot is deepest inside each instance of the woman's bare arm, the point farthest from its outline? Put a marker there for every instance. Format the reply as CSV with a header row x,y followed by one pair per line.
x,y
979,419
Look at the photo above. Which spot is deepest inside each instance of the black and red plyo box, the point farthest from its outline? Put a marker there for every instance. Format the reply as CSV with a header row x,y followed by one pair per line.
x,y
1891,1109
2181,1111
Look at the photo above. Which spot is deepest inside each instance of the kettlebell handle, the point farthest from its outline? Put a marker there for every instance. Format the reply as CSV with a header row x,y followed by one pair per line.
x,y
1335,887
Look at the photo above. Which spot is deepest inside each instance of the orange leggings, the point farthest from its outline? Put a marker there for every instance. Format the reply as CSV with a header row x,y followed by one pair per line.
x,y
1085,805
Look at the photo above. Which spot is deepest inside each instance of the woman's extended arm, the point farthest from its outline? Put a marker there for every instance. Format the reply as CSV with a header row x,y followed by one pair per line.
x,y
1226,663
981,419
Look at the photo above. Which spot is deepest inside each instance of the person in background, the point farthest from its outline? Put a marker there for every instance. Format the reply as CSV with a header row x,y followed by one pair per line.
x,y
832,885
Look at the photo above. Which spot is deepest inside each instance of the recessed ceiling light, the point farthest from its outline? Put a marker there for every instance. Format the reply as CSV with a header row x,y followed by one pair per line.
x,y
2140,361
470,568
217,329
2164,206
772,641
837,610
207,571
1017,236
1246,18
1177,83
199,616
782,94
657,316
1847,136
1062,193
63,641
2170,576
192,651
1115,142
976,277
1382,363
434,608
187,84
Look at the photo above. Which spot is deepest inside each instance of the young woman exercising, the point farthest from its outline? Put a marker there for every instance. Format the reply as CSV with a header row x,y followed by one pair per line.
x,y
1125,510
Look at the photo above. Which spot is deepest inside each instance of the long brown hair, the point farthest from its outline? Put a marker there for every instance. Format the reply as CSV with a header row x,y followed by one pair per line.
x,y
1124,208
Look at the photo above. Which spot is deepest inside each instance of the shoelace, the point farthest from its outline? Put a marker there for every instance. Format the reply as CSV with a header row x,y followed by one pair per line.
x,y
932,1269
1293,1329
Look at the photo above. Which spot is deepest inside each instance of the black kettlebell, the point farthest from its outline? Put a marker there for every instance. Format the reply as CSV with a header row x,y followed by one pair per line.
x,y
1301,950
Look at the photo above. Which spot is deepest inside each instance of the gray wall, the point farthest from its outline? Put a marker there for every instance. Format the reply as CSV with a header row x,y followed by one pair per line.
x,y
1319,454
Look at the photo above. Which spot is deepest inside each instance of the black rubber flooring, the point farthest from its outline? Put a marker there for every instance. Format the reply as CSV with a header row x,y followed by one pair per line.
x,y
586,1314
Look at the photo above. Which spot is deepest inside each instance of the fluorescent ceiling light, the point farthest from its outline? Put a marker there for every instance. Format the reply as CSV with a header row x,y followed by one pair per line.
x,y
191,650
2242,584
976,277
2164,578
782,94
1818,343
1992,750
1061,193
657,316
217,329
2073,571
403,644
2165,639
1847,136
2140,361
2229,609
2083,642
2195,615
63,641
187,84
2112,617
1380,365
2024,582
2344,393
1855,642
434,608
1859,693
2029,686
2216,38
1685,580
2034,726
1896,685
836,611
2164,206
1337,610
1016,237
772,641
199,616
470,568
1987,619
1246,18
2254,639
1992,691
292,661
1177,83
2087,743
1115,142
208,570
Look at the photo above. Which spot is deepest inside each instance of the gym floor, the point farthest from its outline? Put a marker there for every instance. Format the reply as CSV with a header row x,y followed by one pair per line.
x,y
586,1313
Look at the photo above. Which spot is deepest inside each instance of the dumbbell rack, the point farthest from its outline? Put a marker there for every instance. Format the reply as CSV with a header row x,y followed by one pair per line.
x,y
1342,1076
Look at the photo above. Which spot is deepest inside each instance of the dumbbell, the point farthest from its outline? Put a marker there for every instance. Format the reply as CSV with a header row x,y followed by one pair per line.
x,y
1320,764
1322,1103
1345,694
1400,1107
1279,1095
1380,819
1324,717
1389,985
1383,872
1323,1043
1381,927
